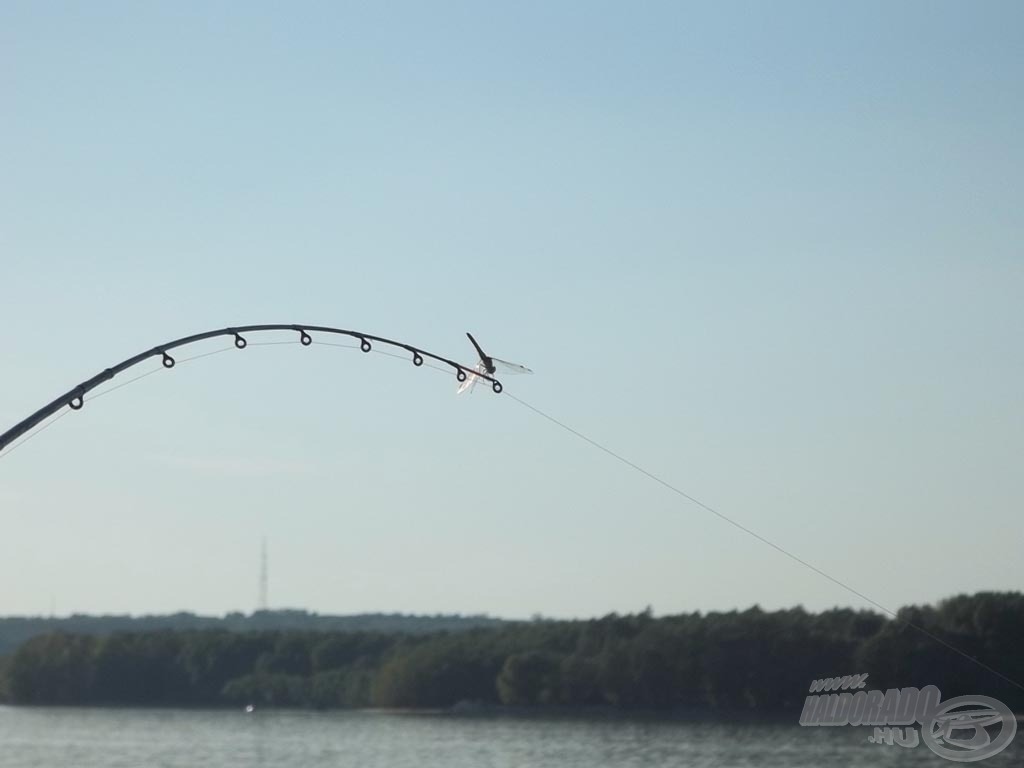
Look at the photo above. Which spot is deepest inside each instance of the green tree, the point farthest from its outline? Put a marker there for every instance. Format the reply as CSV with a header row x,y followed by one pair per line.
x,y
52,669
530,678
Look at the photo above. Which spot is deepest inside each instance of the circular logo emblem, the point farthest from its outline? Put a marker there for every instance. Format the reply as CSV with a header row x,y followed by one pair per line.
x,y
959,729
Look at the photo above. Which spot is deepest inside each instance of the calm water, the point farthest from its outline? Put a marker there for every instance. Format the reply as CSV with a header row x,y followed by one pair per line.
x,y
91,738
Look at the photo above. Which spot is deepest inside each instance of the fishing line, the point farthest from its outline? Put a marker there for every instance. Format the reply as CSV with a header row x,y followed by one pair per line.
x,y
386,353
46,425
41,428
576,433
759,537
50,422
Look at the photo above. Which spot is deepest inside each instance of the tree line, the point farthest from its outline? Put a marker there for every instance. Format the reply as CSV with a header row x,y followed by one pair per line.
x,y
752,660
14,630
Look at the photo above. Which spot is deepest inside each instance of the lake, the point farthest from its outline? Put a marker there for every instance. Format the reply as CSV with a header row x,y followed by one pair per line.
x,y
132,738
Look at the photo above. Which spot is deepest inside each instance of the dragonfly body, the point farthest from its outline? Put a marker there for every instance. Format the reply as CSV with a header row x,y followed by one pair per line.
x,y
487,361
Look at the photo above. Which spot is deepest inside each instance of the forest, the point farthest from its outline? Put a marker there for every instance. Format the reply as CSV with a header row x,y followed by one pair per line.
x,y
14,630
752,661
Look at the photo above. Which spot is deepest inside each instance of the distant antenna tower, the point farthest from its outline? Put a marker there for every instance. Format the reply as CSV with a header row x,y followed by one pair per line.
x,y
263,576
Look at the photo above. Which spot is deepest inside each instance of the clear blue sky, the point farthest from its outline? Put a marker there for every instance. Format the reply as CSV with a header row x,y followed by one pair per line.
x,y
770,251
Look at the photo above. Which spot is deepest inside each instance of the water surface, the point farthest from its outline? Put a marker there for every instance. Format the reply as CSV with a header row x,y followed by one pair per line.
x,y
132,738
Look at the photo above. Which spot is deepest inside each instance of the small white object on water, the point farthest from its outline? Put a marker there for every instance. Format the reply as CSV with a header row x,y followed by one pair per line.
x,y
249,708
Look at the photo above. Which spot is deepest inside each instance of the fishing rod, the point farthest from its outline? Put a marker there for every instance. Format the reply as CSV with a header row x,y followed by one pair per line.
x,y
75,397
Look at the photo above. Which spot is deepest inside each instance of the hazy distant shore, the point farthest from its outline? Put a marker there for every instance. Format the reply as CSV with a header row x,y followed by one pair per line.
x,y
750,662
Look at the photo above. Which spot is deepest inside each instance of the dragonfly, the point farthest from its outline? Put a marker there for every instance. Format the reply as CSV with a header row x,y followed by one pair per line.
x,y
488,365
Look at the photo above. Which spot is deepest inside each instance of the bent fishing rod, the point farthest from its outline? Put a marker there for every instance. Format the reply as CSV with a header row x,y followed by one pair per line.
x,y
75,397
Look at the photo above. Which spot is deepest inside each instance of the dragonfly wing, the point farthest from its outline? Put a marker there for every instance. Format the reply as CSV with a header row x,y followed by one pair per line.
x,y
504,366
471,380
